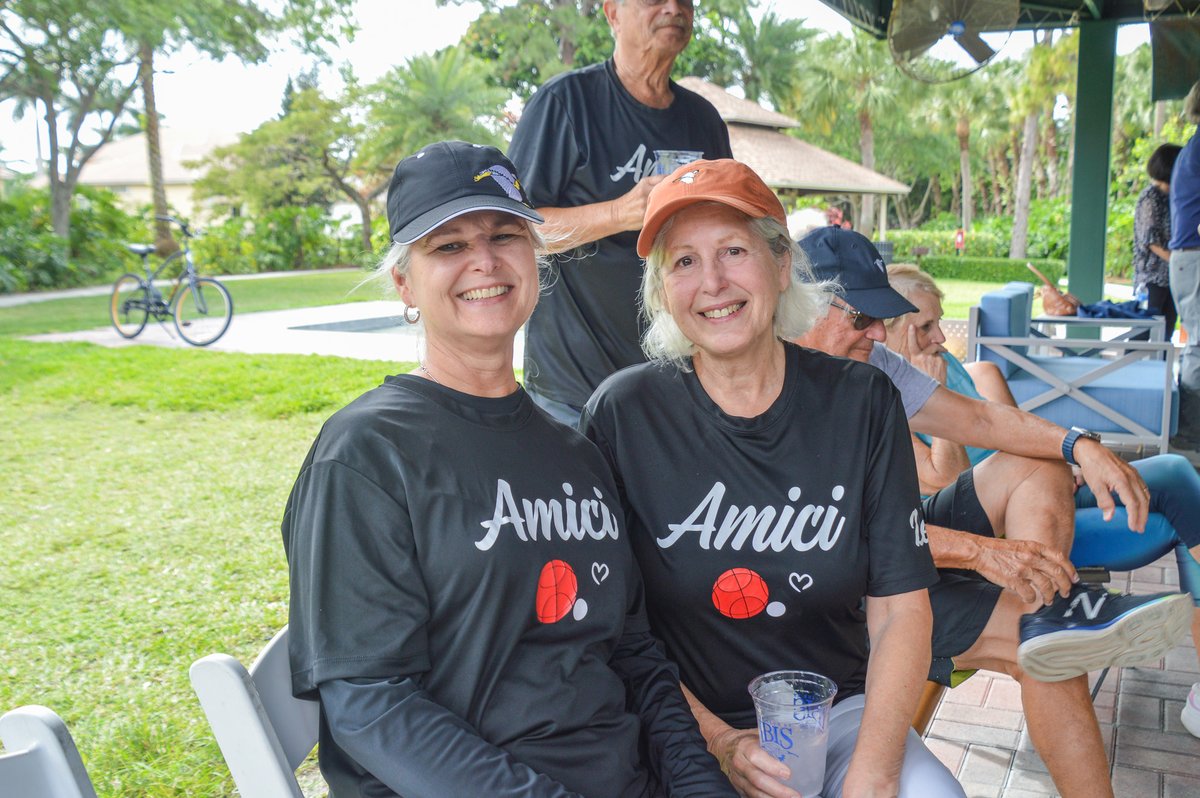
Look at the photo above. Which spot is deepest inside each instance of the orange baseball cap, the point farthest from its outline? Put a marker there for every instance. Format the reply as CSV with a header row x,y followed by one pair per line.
x,y
726,181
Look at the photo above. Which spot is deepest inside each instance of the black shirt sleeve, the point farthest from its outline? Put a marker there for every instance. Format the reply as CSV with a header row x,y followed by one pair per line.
x,y
420,749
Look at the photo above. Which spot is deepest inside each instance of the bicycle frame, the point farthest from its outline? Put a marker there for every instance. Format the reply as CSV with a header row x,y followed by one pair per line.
x,y
159,306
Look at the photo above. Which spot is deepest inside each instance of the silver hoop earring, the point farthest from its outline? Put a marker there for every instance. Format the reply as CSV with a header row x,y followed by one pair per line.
x,y
414,317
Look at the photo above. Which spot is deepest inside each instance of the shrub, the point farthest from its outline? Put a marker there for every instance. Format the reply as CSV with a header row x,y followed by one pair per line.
x,y
992,270
32,257
281,239
941,242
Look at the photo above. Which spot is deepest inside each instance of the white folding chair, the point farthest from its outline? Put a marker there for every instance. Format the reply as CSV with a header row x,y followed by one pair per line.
x,y
39,758
264,733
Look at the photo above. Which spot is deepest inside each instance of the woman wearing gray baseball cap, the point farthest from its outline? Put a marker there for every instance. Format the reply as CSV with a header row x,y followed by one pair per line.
x,y
464,601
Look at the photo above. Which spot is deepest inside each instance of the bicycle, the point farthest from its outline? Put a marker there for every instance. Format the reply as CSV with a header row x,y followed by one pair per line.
x,y
200,306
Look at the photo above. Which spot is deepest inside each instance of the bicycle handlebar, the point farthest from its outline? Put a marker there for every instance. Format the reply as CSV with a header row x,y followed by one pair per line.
x,y
182,225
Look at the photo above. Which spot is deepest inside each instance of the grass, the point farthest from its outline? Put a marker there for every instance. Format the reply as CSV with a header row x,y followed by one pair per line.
x,y
143,492
304,289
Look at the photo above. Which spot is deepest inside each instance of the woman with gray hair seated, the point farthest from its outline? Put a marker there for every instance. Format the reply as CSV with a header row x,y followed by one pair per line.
x,y
464,602
769,492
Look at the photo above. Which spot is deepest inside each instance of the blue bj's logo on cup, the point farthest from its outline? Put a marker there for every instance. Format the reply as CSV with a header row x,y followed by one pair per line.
x,y
793,713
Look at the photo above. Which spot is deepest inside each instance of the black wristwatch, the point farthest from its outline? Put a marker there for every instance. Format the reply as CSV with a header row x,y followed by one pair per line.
x,y
1068,444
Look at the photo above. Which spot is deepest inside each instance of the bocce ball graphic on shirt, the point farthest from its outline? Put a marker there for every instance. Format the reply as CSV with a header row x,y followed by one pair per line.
x,y
558,593
741,593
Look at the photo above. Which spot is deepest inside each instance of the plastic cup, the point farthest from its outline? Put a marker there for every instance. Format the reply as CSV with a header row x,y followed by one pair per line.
x,y
667,161
793,724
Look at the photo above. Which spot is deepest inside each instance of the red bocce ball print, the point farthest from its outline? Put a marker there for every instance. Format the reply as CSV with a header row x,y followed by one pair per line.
x,y
740,593
557,589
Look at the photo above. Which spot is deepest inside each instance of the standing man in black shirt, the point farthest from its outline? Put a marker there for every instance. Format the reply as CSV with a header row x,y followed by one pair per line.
x,y
585,146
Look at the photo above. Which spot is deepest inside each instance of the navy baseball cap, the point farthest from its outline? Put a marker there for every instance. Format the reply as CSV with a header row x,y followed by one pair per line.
x,y
448,179
851,260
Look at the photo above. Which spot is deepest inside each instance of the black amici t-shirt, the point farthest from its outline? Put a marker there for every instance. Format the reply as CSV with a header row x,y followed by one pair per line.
x,y
583,139
475,547
759,537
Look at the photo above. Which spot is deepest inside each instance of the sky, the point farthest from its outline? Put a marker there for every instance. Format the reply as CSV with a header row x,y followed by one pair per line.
x,y
230,97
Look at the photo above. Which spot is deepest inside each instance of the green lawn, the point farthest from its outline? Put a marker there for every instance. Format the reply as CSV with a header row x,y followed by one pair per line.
x,y
143,492
140,525
303,289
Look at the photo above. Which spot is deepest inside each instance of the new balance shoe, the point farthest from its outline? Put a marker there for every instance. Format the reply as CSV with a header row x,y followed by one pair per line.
x,y
1191,711
1092,629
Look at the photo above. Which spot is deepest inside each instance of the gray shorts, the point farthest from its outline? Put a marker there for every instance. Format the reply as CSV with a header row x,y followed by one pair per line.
x,y
962,601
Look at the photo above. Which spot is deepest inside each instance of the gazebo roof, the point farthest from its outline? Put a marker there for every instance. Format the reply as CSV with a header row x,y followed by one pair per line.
x,y
783,161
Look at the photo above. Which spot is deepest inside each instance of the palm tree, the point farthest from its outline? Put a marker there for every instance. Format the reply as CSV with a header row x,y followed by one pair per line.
x,y
446,95
852,74
962,99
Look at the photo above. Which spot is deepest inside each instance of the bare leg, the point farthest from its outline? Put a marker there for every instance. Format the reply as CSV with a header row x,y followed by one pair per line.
x,y
1059,715
1028,499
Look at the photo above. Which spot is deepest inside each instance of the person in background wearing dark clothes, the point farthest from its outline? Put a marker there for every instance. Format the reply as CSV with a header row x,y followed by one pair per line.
x,y
1184,271
464,600
586,146
1152,232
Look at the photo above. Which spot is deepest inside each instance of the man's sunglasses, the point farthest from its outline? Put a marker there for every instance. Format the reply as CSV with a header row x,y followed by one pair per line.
x,y
860,320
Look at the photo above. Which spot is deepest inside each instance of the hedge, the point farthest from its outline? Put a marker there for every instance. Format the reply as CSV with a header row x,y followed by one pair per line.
x,y
941,242
993,270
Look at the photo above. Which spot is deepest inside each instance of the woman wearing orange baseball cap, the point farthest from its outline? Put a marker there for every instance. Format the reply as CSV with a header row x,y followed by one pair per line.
x,y
771,495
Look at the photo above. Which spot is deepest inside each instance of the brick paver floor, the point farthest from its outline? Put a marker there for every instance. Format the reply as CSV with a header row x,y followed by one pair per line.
x,y
979,729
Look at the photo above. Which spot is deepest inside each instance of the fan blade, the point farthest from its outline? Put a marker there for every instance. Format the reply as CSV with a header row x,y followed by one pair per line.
x,y
976,47
911,42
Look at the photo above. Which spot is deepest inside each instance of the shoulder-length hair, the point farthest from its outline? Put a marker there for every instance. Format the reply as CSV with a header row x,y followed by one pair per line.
x,y
800,306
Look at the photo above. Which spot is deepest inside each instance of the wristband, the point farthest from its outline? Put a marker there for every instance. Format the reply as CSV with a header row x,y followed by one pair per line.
x,y
1068,444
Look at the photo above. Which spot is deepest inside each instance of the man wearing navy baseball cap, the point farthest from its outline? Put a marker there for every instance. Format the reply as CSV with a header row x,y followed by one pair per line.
x,y
1017,508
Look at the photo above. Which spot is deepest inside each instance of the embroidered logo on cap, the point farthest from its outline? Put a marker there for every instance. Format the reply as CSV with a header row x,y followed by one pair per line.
x,y
505,179
688,177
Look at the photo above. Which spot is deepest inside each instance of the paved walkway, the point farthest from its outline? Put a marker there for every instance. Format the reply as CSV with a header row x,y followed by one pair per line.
x,y
979,729
362,330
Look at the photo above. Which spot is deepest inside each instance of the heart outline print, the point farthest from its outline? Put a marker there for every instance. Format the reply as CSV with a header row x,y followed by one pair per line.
x,y
799,582
599,572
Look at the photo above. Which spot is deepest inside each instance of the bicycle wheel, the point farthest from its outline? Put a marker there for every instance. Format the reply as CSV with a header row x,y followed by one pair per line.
x,y
203,311
129,305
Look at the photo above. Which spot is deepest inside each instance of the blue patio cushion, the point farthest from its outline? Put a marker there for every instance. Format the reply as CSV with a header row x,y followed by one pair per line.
x,y
1005,313
1135,390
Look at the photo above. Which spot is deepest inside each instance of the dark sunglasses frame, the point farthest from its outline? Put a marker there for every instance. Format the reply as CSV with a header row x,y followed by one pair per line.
x,y
860,320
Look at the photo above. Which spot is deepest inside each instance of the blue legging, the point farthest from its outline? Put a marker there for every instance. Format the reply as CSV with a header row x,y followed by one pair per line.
x,y
1174,523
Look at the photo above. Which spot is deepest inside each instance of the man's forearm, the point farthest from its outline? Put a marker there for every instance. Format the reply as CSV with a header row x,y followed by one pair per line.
x,y
567,228
988,425
951,548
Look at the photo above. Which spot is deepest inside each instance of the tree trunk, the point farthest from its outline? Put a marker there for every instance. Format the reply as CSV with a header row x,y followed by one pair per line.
x,y
865,222
955,200
1160,117
164,243
963,130
1050,148
566,45
1020,235
937,194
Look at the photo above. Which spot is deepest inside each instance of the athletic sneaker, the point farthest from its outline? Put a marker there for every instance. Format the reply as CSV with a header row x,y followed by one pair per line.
x,y
1191,711
1092,629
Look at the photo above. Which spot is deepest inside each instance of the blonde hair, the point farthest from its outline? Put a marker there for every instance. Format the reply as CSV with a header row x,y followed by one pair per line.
x,y
800,306
907,279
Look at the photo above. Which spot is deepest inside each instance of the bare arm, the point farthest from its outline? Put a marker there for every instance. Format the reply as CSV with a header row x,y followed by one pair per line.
x,y
752,771
567,228
938,465
1161,252
1032,570
900,629
991,425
